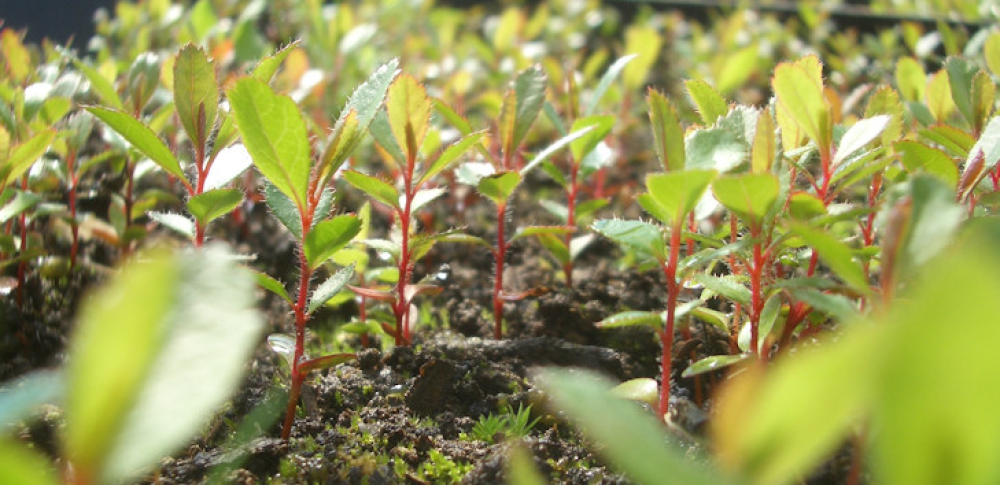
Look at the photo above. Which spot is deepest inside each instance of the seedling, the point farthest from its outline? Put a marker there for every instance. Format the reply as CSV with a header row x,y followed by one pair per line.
x,y
209,131
509,424
401,133
299,195
498,179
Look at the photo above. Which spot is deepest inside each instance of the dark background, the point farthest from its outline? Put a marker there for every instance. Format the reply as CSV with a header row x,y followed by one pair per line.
x,y
55,19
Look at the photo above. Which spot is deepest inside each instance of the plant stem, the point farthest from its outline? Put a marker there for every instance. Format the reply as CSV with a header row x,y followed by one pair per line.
x,y
500,254
667,335
571,194
401,308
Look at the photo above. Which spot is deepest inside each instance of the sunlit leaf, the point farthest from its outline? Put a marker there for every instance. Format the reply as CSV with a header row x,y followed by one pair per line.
x,y
918,157
409,111
639,236
499,187
196,93
713,363
632,318
141,137
609,76
269,65
329,236
374,187
762,154
860,134
677,193
667,133
208,206
750,196
451,155
799,88
275,134
711,105
329,288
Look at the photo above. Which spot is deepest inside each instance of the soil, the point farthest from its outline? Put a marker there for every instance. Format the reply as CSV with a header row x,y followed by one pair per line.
x,y
406,414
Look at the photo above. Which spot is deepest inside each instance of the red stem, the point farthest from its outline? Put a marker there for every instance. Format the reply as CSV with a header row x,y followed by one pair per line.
x,y
500,253
401,309
667,335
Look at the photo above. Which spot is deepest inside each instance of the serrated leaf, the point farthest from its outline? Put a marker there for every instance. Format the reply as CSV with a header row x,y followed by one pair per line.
x,y
750,196
329,236
196,93
522,104
451,155
860,134
356,117
677,193
835,254
268,283
655,320
208,206
499,187
330,287
283,209
609,76
276,136
667,133
409,111
141,137
178,223
269,65
711,105
640,236
799,89
713,363
374,187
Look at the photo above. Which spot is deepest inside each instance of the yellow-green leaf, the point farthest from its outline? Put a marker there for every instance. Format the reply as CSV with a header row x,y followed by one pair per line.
x,y
764,146
196,93
141,137
799,88
667,133
711,105
409,111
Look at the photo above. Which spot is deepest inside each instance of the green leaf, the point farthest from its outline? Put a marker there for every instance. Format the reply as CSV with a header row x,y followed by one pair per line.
x,y
22,202
609,76
268,283
833,305
630,438
713,363
554,147
455,119
283,209
424,197
169,336
805,206
208,206
100,85
667,133
735,69
750,196
326,362
141,137
645,42
178,223
556,246
586,208
269,65
655,320
799,88
330,287
764,149
521,107
533,231
24,465
918,157
409,111
983,96
934,219
640,236
677,193
711,105
835,254
802,411
725,286
499,187
196,93
940,345
356,117
939,100
718,148
229,163
374,187
328,236
584,145
275,134
960,75
451,155
640,389
911,79
860,134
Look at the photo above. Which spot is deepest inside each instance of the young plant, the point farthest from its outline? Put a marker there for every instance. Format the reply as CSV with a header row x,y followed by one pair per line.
x,y
401,133
498,179
299,195
209,131
508,424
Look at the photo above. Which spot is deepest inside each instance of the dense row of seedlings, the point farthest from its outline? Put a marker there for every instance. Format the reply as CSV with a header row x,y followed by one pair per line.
x,y
754,208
